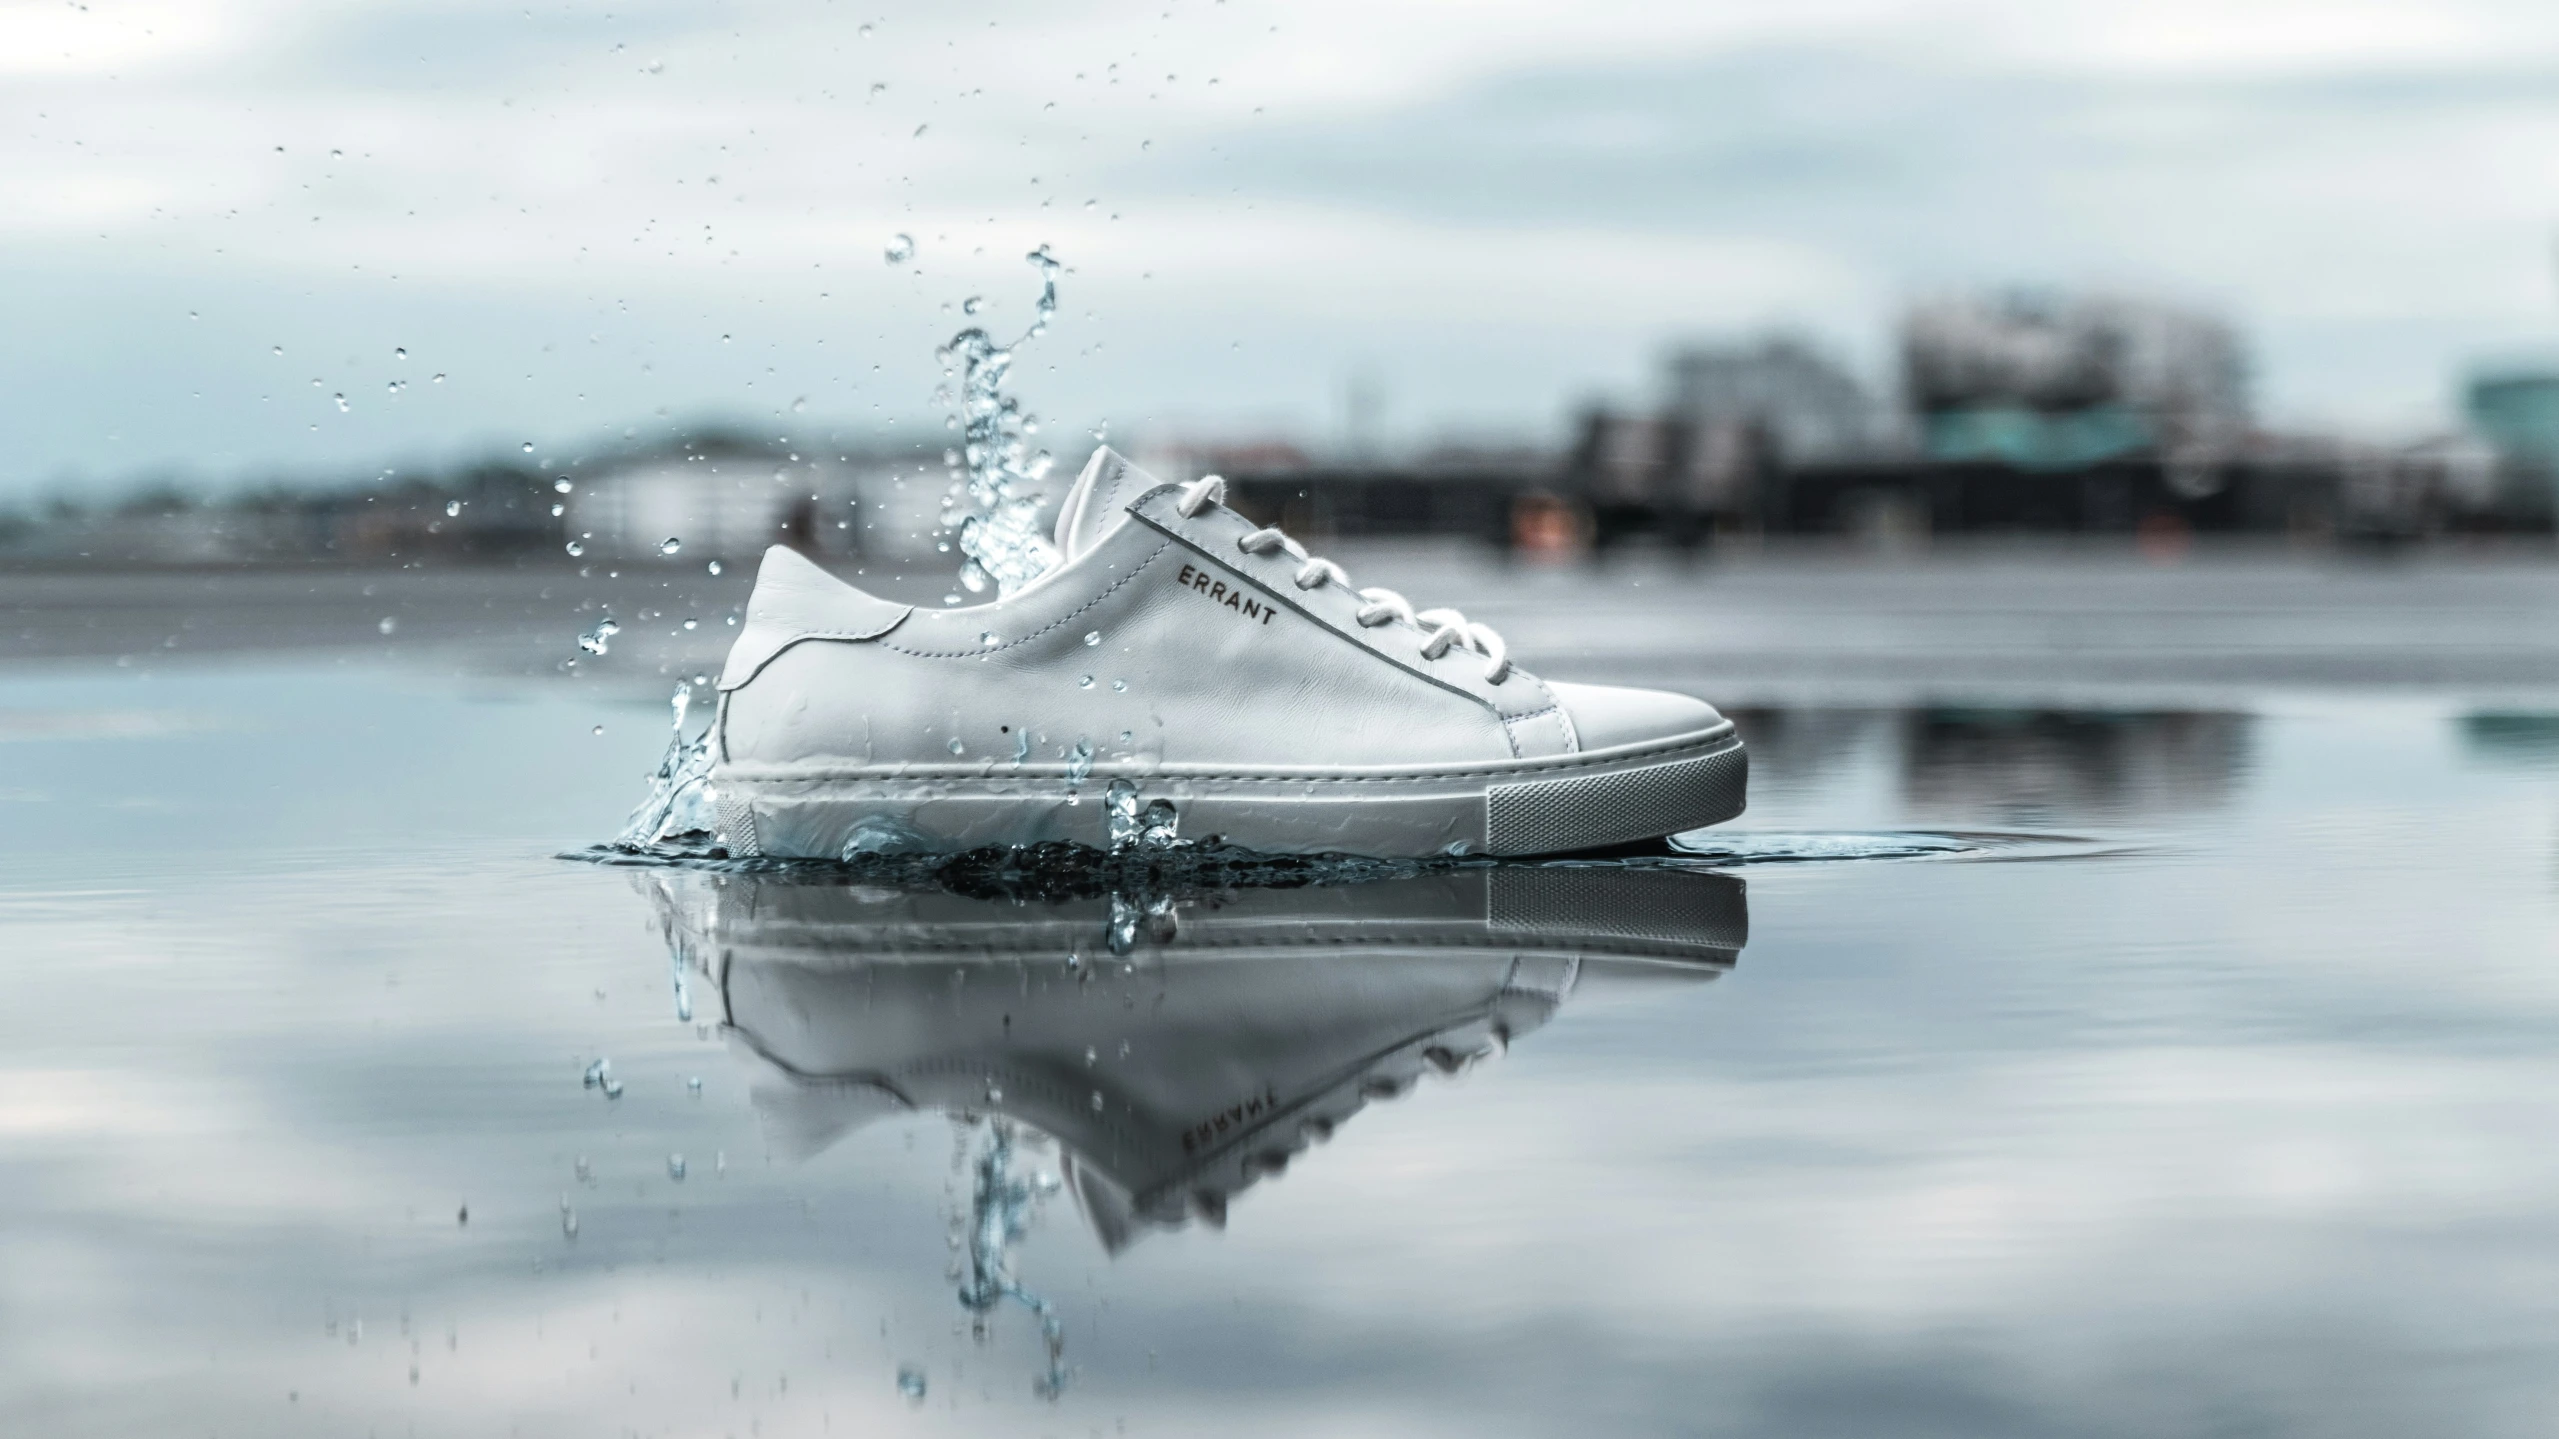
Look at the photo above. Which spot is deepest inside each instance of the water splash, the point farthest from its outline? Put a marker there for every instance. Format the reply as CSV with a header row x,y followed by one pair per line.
x,y
1140,915
998,479
1002,1205
679,962
678,815
1157,826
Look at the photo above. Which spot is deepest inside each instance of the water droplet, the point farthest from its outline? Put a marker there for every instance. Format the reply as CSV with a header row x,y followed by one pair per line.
x,y
1119,809
399,353
562,485
575,548
279,349
691,624
1120,685
957,747
388,625
596,1072
675,1167
1092,637
585,1171
452,509
568,1223
599,639
990,639
670,545
599,729
901,249
528,447
342,401
864,31
613,1087
919,131
439,378
694,1084
1091,1056
972,304
910,1380
1097,1101
558,510
713,567
1085,683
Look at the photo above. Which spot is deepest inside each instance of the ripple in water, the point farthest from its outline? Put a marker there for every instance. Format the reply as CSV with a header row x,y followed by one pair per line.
x,y
1738,847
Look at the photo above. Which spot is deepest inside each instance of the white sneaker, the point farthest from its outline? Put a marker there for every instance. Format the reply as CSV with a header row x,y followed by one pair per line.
x,y
1183,659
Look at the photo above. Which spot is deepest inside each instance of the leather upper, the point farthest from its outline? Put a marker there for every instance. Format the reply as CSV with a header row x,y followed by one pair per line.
x,y
1158,642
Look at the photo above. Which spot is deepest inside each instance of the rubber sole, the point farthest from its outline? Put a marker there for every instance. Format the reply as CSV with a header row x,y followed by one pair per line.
x,y
1524,807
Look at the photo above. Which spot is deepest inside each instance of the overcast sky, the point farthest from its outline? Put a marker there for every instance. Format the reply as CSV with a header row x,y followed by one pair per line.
x,y
634,214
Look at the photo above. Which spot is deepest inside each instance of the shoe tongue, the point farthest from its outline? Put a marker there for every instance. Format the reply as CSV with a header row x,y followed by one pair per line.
x,y
1098,502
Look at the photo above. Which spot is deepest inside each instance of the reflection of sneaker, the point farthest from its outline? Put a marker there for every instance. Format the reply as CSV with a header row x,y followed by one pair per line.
x,y
1251,1023
1212,664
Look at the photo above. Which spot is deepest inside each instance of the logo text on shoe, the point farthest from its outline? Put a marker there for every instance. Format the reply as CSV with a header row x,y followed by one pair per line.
x,y
1233,1117
1231,596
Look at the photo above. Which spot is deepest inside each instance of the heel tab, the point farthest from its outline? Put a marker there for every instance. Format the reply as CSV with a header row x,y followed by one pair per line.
x,y
788,568
796,599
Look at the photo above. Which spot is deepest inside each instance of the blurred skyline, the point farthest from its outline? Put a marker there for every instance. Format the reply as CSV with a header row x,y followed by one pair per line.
x,y
643,216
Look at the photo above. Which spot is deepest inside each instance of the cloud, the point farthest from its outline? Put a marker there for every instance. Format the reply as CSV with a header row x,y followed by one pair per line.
x,y
568,209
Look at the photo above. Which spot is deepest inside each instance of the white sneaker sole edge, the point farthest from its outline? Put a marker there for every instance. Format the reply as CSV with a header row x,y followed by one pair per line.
x,y
1523,807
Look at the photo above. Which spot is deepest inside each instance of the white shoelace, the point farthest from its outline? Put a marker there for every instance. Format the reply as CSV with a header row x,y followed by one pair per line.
x,y
1442,628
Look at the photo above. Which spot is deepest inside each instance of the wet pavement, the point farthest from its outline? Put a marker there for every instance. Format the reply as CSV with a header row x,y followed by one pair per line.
x,y
2112,1017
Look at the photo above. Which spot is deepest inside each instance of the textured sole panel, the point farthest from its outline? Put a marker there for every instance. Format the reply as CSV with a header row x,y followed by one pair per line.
x,y
1671,907
1616,806
737,822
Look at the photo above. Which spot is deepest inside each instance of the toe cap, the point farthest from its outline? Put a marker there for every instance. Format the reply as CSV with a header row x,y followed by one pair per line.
x,y
1605,716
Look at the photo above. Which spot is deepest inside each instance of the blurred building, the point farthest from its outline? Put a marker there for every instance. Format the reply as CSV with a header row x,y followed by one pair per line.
x,y
724,497
1739,416
486,513
2516,413
1446,490
1804,406
2045,383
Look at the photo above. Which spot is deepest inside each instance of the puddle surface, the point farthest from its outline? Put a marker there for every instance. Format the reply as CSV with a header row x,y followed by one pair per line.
x,y
1822,1124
